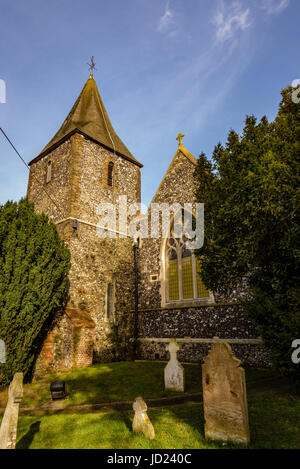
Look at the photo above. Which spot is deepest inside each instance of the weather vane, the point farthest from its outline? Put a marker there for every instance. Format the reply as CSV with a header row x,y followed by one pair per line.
x,y
179,138
91,66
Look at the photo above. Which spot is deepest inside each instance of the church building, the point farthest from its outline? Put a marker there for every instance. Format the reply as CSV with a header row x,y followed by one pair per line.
x,y
124,297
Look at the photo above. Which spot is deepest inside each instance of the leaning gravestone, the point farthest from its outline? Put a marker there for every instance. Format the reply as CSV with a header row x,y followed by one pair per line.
x,y
8,429
225,396
141,422
174,371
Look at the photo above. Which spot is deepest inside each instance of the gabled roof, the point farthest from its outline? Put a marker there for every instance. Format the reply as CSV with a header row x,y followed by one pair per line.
x,y
88,116
186,153
181,149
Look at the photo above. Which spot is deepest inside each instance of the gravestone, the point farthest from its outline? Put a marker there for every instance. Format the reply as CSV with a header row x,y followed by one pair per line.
x,y
8,429
2,351
225,396
174,371
141,422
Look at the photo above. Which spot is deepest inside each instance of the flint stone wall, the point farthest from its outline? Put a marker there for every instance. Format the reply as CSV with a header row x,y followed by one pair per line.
x,y
225,321
78,186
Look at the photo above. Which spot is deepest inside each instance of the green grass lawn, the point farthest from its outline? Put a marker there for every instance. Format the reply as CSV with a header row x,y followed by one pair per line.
x,y
274,418
274,423
122,381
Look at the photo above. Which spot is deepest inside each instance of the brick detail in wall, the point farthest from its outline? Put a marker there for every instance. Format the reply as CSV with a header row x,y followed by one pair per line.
x,y
69,344
47,350
83,337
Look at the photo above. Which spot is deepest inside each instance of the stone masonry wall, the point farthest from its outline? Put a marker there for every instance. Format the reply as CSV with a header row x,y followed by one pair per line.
x,y
95,262
59,186
225,321
69,343
78,185
56,353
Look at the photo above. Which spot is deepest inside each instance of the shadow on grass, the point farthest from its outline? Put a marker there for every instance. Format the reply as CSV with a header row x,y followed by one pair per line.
x,y
27,439
119,381
274,424
122,381
125,417
104,383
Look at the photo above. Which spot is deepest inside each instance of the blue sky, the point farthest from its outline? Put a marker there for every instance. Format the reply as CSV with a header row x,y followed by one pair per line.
x,y
163,67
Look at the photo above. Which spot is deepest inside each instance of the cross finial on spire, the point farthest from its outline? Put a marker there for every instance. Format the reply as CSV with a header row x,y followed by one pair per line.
x,y
179,138
91,66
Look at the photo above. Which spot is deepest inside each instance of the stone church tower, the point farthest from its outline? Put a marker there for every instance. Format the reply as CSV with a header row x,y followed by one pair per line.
x,y
84,165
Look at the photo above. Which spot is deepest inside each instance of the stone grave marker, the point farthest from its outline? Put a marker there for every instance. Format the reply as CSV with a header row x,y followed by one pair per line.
x,y
174,371
8,429
2,351
225,396
141,422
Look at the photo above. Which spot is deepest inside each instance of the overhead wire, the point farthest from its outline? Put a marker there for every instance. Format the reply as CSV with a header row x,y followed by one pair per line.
x,y
28,167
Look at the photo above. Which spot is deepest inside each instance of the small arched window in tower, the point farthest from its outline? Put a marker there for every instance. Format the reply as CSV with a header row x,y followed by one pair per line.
x,y
110,174
49,171
110,301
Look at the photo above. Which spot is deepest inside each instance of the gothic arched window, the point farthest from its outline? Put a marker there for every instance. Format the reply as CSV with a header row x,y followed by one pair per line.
x,y
110,174
183,271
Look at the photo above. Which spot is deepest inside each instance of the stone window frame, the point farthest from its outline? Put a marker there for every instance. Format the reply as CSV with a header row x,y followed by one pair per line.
x,y
49,171
110,317
164,270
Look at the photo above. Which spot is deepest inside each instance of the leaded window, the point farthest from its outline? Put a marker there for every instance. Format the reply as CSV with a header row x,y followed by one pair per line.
x,y
183,271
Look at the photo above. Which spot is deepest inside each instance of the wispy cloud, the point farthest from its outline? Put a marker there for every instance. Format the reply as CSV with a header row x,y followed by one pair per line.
x,y
274,6
230,19
167,22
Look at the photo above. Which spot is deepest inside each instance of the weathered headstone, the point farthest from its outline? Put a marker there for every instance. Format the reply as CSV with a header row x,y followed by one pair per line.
x,y
174,371
225,396
141,421
8,429
2,351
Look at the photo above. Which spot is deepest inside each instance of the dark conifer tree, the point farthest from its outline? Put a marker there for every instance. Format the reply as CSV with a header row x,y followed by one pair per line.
x,y
34,264
251,195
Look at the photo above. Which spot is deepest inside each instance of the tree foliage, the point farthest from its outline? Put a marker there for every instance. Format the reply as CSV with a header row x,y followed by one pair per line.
x,y
251,195
34,263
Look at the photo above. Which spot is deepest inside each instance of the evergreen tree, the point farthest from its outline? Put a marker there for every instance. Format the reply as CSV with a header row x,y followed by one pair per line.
x,y
34,263
251,196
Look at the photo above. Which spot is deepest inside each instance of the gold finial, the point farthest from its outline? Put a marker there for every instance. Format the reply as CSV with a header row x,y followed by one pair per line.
x,y
179,138
92,66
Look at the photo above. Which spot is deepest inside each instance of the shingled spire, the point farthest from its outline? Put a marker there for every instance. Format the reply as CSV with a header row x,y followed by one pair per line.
x,y
88,117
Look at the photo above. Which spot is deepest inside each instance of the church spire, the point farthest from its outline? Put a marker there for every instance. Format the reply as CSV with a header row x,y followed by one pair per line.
x,y
88,117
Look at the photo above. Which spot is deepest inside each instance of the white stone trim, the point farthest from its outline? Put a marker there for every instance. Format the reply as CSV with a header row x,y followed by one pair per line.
x,y
95,225
188,340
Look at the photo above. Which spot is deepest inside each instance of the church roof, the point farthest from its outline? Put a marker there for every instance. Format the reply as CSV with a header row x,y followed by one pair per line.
x,y
181,149
88,116
186,153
